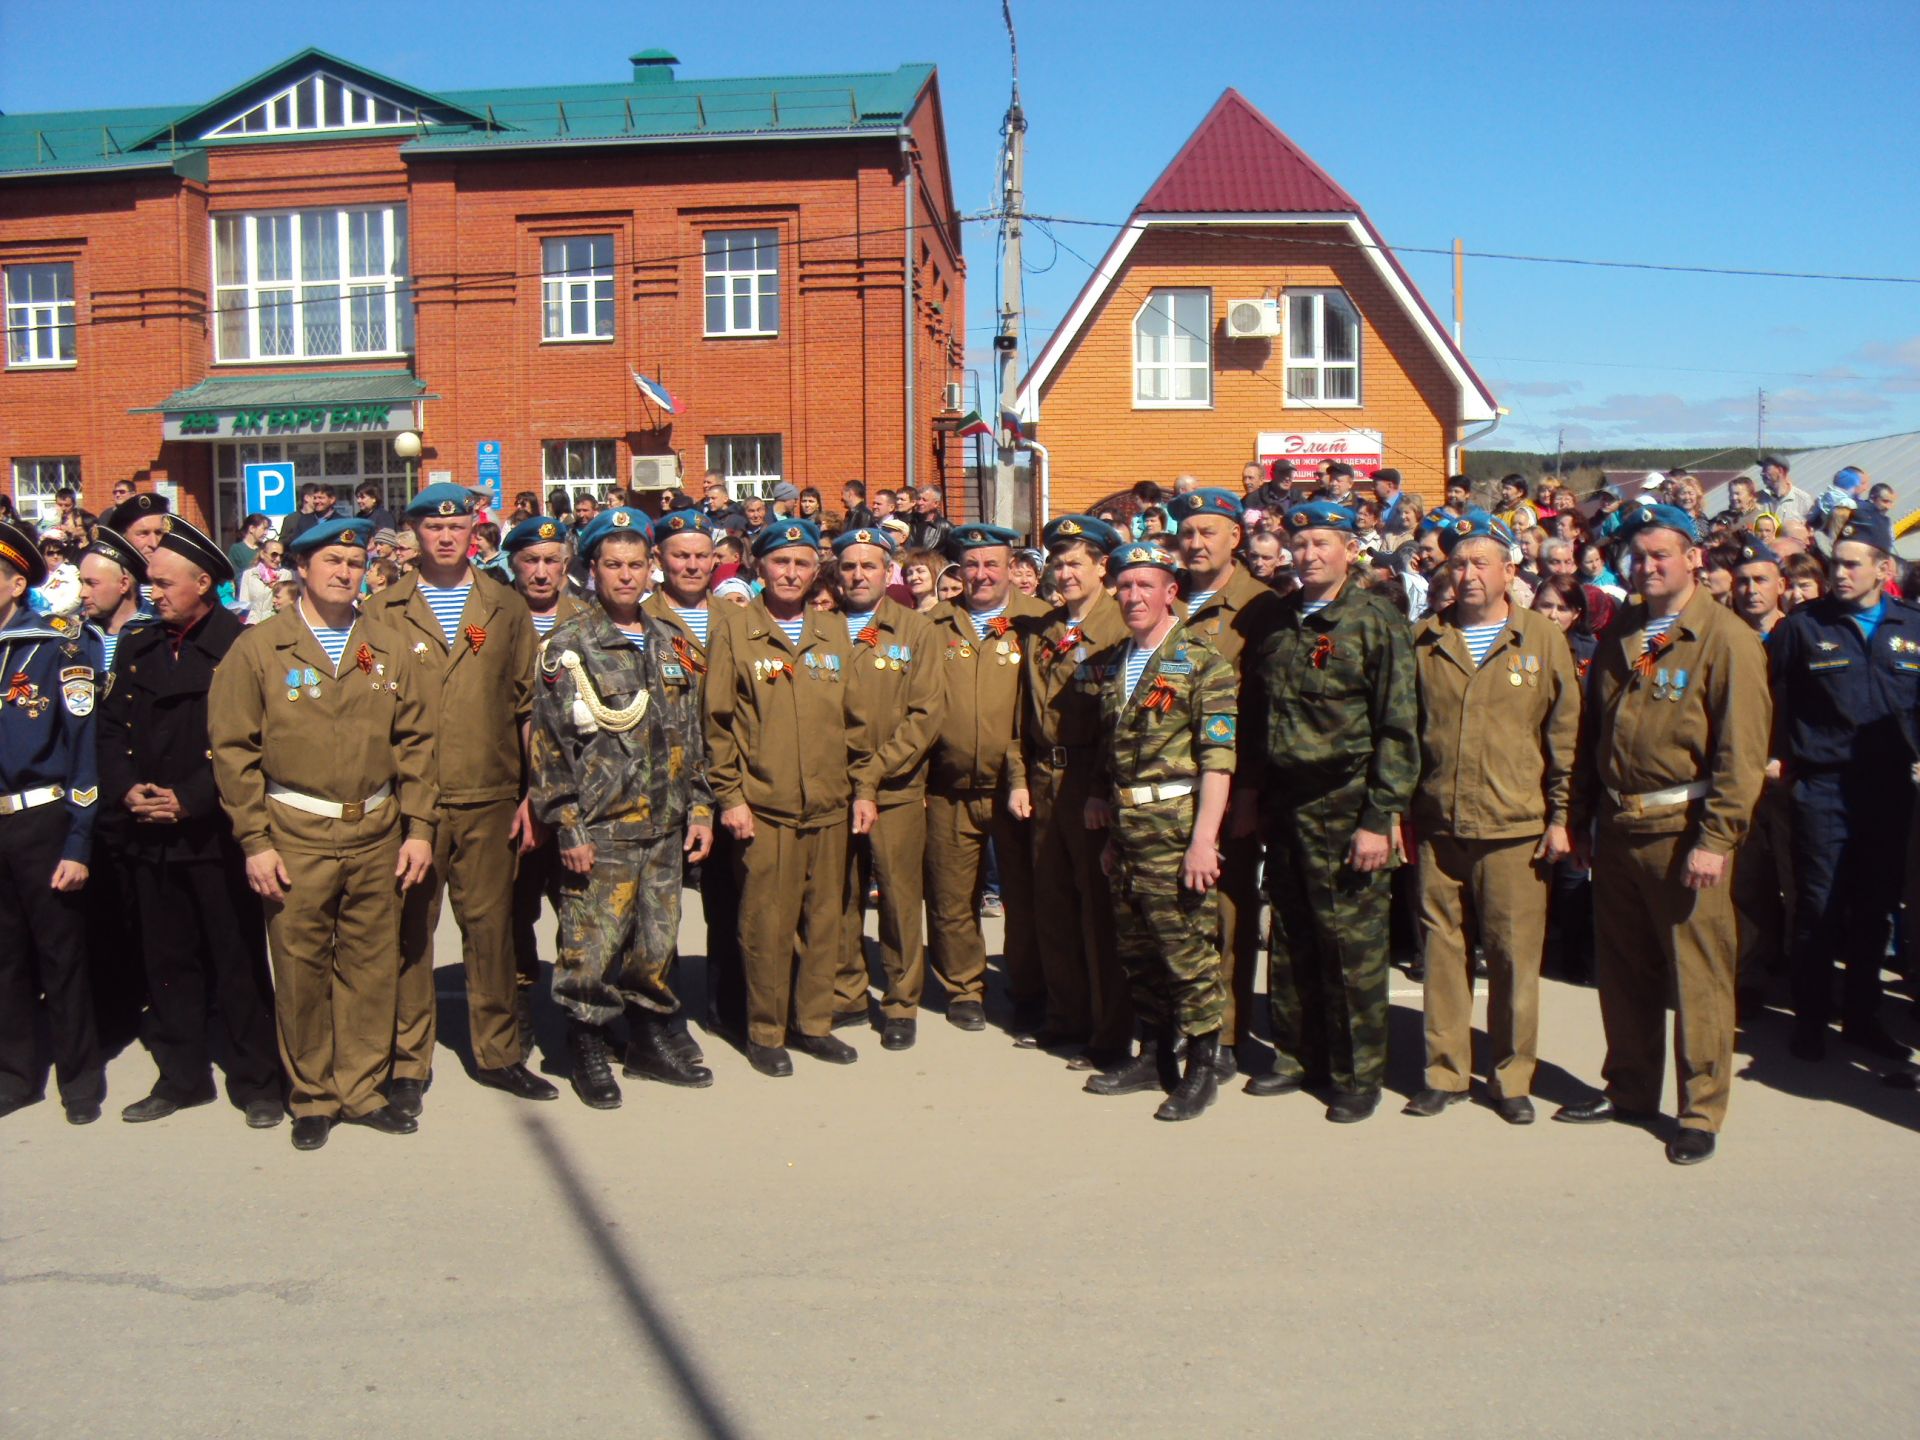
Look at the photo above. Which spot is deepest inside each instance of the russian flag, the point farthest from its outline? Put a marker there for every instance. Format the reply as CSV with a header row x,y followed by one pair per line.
x,y
657,393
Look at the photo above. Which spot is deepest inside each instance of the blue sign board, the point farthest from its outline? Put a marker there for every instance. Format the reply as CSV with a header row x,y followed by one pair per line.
x,y
270,488
489,453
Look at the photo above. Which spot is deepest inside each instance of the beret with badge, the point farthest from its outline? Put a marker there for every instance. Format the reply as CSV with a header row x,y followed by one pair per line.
x,y
1320,515
1206,501
352,531
1867,527
1084,529
785,534
1658,517
537,530
1143,554
682,522
1476,524
865,535
620,520
443,499
979,537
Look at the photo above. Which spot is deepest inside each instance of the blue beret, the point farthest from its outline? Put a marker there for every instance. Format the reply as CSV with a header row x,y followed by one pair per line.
x,y
865,535
353,531
1321,515
781,534
1136,554
979,537
1658,517
540,530
1205,502
621,520
445,498
1755,551
1071,528
1476,524
1439,520
682,522
1868,527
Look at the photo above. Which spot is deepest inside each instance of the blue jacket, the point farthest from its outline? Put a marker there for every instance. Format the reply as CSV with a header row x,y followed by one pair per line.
x,y
49,668
1841,700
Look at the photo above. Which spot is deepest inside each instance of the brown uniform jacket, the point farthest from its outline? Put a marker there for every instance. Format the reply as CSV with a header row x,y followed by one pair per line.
x,y
1060,724
1497,741
982,685
784,732
686,645
366,728
1236,617
896,684
1714,730
479,691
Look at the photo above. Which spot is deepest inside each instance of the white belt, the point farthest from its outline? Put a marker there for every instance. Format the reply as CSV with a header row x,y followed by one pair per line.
x,y
28,799
332,809
1147,794
1656,799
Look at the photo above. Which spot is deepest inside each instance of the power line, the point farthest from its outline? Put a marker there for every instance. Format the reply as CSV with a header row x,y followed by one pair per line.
x,y
1632,365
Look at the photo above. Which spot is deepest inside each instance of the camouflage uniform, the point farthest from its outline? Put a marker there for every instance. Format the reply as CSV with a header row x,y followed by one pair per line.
x,y
1328,719
630,796
1178,722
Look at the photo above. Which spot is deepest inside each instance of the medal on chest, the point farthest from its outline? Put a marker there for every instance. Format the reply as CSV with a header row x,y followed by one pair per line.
x,y
23,692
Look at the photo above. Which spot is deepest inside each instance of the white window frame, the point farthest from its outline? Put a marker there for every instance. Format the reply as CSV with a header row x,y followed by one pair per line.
x,y
36,479
752,464
1169,368
756,286
379,296
577,465
1316,364
40,329
307,106
564,288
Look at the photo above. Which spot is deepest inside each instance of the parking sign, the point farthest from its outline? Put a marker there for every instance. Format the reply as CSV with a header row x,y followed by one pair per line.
x,y
270,488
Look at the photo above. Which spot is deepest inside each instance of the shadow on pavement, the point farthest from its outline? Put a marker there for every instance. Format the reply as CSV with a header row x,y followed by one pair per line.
x,y
1846,1077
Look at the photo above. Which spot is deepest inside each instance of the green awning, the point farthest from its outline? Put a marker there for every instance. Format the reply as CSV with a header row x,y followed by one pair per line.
x,y
254,392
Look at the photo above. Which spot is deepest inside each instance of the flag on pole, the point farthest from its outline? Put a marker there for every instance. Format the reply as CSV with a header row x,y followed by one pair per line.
x,y
971,423
657,393
1012,435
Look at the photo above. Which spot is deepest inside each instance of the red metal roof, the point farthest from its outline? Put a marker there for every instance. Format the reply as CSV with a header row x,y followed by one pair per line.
x,y
1238,162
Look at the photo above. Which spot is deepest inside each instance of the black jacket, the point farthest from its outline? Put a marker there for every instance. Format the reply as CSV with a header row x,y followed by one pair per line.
x,y
153,730
928,532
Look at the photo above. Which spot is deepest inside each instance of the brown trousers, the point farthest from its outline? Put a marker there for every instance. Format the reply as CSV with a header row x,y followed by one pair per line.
x,y
1495,892
959,826
896,852
1241,934
334,977
472,862
792,883
1653,938
1087,991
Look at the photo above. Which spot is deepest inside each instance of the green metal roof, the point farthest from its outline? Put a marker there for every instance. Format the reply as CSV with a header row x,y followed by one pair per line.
x,y
249,392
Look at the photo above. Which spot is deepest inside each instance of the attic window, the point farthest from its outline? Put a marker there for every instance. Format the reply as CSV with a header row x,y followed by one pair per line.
x,y
318,102
1323,348
1173,351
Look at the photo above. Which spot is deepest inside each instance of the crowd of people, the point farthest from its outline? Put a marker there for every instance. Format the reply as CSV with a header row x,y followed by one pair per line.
x,y
1675,753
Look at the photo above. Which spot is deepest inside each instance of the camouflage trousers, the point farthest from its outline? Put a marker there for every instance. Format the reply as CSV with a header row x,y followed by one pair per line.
x,y
1327,964
618,928
1166,936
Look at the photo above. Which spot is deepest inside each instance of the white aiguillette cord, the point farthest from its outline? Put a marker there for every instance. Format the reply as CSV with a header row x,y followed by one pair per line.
x,y
607,718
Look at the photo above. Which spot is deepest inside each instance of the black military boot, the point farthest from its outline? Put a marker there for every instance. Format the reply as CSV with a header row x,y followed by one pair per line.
x,y
1199,1085
1130,1077
523,1019
593,1078
652,1055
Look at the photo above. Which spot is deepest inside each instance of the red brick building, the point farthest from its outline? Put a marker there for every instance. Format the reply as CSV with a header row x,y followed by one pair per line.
x,y
323,258
1248,310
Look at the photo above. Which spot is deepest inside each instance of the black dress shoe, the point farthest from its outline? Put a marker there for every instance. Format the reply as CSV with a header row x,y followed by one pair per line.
x,y
1690,1147
770,1060
967,1015
264,1114
1875,1040
1430,1102
1276,1082
158,1107
1349,1107
1596,1111
844,1018
515,1080
408,1097
83,1113
829,1048
310,1131
1514,1109
898,1034
386,1120
592,1066
1047,1038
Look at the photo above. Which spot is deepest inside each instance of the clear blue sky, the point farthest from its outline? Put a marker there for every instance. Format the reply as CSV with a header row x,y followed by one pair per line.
x,y
1761,135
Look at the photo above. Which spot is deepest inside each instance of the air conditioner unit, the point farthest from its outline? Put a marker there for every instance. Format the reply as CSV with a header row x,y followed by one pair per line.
x,y
655,472
954,395
1253,319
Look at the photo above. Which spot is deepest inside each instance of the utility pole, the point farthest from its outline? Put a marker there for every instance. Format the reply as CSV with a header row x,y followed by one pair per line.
x,y
1559,449
1459,288
1006,340
1760,422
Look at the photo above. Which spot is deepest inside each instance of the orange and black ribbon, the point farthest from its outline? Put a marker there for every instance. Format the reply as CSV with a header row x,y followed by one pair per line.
x,y
870,637
363,657
1160,695
1656,647
687,658
476,637
20,688
1067,641
1322,652
999,625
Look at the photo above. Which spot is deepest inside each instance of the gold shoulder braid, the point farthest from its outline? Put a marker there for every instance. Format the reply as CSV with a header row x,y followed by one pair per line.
x,y
607,718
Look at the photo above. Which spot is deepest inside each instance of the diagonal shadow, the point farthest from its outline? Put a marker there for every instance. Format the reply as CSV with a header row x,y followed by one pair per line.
x,y
654,1327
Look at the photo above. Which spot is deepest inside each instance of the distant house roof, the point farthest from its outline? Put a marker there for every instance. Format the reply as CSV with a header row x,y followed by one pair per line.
x,y
1238,167
226,392
1894,459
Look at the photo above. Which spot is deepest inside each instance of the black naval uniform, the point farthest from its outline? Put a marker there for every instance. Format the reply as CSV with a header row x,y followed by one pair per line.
x,y
112,906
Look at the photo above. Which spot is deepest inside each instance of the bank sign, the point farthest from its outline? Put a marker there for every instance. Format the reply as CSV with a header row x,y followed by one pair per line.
x,y
277,421
1310,449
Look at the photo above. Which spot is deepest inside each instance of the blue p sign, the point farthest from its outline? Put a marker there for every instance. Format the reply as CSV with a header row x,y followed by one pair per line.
x,y
270,488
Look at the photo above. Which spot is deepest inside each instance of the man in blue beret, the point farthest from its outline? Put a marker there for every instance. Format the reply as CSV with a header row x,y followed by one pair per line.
x,y
473,645
1233,612
323,752
1328,764
977,794
1088,1008
1846,682
1670,769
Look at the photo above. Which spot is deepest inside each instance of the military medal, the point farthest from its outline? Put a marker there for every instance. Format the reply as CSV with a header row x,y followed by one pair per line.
x,y
1660,683
23,692
293,684
1513,671
1679,684
1533,670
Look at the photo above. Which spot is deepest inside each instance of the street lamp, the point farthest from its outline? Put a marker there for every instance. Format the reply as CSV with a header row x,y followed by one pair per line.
x,y
407,446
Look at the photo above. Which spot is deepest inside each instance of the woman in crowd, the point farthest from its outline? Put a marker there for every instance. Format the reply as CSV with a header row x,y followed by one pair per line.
x,y
1570,906
1026,571
918,568
809,503
1806,578
257,584
947,585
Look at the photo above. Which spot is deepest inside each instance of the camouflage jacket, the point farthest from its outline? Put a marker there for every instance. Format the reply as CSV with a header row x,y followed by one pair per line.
x,y
1329,699
1178,721
596,786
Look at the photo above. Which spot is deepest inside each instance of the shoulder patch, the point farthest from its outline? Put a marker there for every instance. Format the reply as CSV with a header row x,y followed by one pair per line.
x,y
76,689
1218,728
84,798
